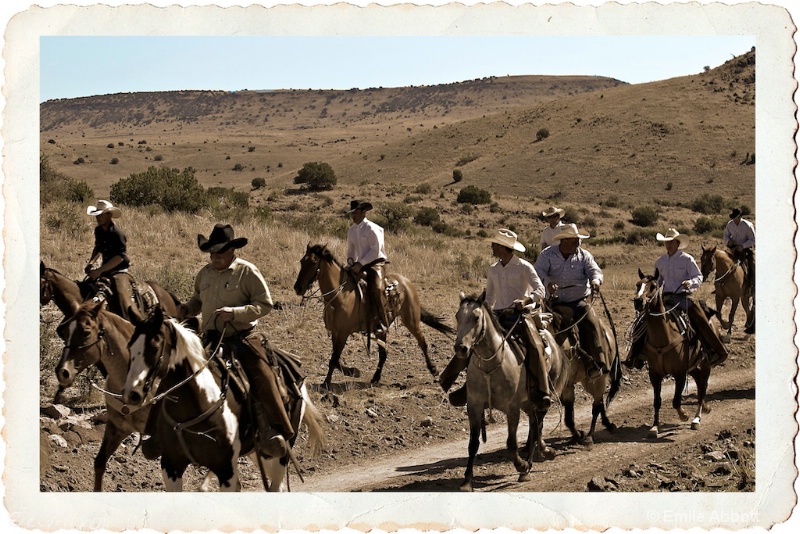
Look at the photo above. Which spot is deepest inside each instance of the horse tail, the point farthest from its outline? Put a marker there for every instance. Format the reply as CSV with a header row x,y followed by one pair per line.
x,y
313,420
616,379
435,322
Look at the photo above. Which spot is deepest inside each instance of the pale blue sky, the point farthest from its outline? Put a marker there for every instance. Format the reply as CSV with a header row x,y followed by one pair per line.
x,y
86,66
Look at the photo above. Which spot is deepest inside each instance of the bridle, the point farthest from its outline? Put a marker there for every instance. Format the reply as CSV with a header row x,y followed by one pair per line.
x,y
322,296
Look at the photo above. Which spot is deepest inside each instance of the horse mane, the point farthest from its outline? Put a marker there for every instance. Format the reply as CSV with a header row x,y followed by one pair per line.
x,y
323,252
188,344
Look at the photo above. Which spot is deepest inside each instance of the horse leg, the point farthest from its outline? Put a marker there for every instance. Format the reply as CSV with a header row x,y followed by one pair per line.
x,y
541,451
475,414
734,306
655,381
112,437
680,382
274,470
719,300
416,331
172,474
511,442
701,375
335,363
568,401
376,378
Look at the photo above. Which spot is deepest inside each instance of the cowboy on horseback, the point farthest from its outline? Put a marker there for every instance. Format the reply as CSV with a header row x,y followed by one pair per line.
x,y
511,285
680,277
740,238
571,276
366,257
110,244
554,225
232,295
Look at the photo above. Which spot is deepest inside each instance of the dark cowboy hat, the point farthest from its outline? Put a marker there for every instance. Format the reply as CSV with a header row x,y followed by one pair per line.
x,y
357,205
220,240
735,212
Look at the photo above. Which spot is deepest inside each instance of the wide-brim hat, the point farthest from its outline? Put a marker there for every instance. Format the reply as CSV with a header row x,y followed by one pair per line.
x,y
221,239
552,210
508,239
735,212
569,231
672,234
358,205
103,206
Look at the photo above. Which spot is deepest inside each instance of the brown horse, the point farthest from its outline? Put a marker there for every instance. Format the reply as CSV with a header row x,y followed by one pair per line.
x,y
729,283
204,417
68,294
95,336
669,352
346,310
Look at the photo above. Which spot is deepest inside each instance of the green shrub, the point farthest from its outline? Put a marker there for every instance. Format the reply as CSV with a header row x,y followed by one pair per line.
x,y
611,202
669,186
396,216
55,186
644,216
589,222
639,236
708,204
571,215
619,225
158,157
473,195
543,133
110,145
467,209
238,167
466,159
317,176
705,225
171,189
258,183
226,197
458,175
114,161
427,217
423,189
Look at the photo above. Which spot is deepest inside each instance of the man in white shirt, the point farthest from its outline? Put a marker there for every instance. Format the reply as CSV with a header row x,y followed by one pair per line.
x,y
554,225
366,255
678,273
511,285
740,238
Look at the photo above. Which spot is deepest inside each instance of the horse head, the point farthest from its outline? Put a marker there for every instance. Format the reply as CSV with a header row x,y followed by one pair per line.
x,y
707,261
309,268
45,285
147,347
82,336
470,323
646,289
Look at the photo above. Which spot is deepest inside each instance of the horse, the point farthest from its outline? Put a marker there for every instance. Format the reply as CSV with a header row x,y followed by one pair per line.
x,y
669,352
68,294
346,311
730,284
204,417
95,336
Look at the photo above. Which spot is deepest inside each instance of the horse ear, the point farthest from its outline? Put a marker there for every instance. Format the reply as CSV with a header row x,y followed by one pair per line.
x,y
156,315
641,274
482,298
95,306
41,268
461,296
308,246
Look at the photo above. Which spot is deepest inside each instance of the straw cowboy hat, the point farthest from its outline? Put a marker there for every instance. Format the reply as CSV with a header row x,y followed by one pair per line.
x,y
357,205
672,234
569,231
103,206
508,239
220,240
552,210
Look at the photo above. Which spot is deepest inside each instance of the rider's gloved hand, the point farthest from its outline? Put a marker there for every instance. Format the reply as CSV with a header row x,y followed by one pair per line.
x,y
595,286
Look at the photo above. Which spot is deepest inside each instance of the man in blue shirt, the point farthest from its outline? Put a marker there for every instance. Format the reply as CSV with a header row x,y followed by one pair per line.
x,y
680,277
570,275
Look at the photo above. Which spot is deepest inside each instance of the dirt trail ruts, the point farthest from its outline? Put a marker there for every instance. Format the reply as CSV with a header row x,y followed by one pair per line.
x,y
441,467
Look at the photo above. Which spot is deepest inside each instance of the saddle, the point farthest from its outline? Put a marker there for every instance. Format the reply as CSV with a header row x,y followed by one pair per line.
x,y
142,295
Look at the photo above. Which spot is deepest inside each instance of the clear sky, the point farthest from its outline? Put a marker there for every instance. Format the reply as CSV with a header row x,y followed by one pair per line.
x,y
85,66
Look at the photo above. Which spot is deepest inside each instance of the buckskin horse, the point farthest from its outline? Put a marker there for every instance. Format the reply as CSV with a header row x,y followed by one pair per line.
x,y
95,336
346,311
496,379
729,283
203,413
669,352
68,294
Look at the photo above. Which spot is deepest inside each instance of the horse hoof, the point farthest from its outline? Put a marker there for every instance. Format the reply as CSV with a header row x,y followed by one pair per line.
x,y
549,453
706,408
684,416
653,433
524,477
611,427
695,425
588,442
466,486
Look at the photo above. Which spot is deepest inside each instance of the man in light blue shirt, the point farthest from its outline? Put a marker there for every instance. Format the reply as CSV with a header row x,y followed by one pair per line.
x,y
570,275
677,271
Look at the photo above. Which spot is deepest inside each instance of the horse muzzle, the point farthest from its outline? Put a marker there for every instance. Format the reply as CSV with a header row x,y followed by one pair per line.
x,y
461,350
65,374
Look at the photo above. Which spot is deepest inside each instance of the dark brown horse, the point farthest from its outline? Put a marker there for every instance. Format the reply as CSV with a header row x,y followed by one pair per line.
x,y
95,336
729,283
68,294
669,352
346,310
203,412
